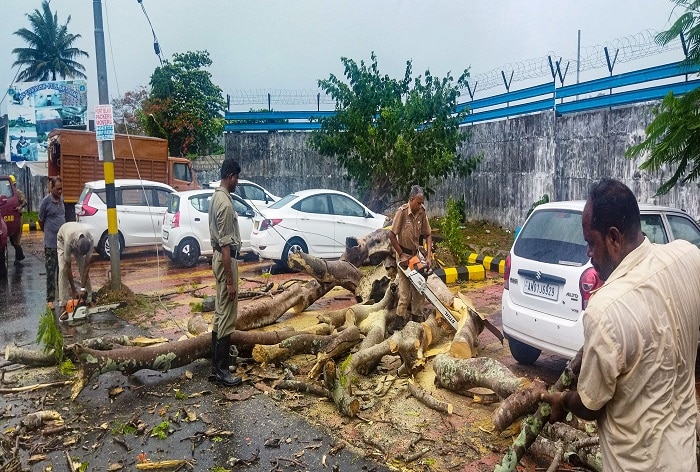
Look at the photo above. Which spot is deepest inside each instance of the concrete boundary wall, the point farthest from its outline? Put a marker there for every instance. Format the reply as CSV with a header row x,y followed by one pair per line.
x,y
524,158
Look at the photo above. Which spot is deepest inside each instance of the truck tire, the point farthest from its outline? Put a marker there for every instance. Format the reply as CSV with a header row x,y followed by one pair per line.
x,y
188,253
103,245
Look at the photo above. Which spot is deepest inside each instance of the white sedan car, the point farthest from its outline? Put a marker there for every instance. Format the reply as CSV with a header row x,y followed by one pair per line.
x,y
251,192
185,234
316,222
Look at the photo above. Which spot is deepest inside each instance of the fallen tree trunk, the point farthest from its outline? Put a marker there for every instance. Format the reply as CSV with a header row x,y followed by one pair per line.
x,y
533,424
302,343
459,375
327,272
373,247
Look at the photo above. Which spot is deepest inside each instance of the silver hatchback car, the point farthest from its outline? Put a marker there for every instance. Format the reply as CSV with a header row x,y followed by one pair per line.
x,y
548,276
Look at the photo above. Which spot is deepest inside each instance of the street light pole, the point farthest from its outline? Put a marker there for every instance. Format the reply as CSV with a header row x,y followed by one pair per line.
x,y
107,150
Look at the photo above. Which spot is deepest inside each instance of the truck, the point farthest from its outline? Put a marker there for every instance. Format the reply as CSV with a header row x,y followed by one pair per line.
x,y
73,155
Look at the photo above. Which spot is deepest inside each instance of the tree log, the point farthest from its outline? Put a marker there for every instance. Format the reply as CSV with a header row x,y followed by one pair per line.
x,y
339,345
459,375
429,400
519,404
302,343
341,389
265,311
327,272
373,247
533,424
372,286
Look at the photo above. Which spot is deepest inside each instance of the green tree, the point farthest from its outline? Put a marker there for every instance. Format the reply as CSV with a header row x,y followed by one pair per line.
x,y
673,136
51,50
390,134
128,111
184,106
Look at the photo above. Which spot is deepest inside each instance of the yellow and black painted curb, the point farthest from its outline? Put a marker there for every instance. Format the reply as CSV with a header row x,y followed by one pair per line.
x,y
33,226
463,273
476,270
494,264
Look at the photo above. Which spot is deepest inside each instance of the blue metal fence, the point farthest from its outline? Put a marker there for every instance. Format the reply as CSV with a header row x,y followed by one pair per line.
x,y
566,99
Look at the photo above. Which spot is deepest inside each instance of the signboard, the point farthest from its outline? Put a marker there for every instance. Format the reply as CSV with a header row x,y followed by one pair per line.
x,y
104,123
36,108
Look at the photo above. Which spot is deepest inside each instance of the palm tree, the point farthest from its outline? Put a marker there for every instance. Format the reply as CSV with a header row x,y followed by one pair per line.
x,y
50,52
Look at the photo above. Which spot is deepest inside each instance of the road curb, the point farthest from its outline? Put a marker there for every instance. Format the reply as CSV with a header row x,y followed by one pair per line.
x,y
462,273
494,264
476,270
33,226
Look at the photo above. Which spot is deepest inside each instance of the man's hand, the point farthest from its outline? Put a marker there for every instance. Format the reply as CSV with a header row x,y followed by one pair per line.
x,y
557,401
231,290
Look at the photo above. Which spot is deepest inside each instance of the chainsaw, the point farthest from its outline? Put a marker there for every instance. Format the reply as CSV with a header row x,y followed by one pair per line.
x,y
79,308
418,272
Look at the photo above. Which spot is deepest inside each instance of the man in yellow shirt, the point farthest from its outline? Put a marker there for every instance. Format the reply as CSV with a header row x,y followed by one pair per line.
x,y
637,377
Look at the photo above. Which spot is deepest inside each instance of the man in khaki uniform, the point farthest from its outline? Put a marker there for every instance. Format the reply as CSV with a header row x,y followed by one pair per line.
x,y
73,240
637,375
410,223
226,242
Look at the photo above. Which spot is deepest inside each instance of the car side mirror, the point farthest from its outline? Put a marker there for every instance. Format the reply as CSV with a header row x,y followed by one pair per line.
x,y
249,214
368,214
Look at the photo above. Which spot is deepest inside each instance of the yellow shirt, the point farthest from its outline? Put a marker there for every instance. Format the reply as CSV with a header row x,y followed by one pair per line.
x,y
641,341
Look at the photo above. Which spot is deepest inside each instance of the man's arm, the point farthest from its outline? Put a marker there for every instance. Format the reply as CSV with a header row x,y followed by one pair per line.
x,y
395,244
86,270
231,286
570,400
429,242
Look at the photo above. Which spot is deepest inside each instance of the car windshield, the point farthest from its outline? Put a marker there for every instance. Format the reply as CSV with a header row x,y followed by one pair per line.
x,y
283,201
554,237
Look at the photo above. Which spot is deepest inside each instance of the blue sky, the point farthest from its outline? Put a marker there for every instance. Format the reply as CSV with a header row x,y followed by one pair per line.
x,y
259,45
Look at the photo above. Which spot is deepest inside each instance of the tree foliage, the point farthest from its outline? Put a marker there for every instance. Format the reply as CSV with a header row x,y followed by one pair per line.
x,y
50,52
673,136
390,134
128,111
184,106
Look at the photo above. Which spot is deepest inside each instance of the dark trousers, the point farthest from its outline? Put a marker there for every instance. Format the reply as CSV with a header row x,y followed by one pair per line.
x,y
51,255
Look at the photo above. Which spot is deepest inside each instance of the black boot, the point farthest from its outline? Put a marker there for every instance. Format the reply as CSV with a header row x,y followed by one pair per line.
x,y
212,376
19,255
222,361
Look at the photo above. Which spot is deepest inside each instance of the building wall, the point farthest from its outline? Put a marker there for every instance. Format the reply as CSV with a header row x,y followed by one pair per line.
x,y
523,158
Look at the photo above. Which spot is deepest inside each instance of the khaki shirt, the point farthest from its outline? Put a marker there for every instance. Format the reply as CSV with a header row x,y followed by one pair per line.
x,y
223,221
409,227
641,341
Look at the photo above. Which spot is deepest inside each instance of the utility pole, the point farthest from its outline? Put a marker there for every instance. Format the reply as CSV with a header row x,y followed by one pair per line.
x,y
106,149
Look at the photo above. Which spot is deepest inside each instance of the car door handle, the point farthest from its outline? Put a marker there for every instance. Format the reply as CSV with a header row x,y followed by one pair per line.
x,y
196,219
339,222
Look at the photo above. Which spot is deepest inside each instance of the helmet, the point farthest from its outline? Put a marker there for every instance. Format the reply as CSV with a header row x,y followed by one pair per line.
x,y
12,179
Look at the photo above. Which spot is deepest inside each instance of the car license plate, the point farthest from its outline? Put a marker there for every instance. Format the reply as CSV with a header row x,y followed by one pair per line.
x,y
165,235
256,224
541,289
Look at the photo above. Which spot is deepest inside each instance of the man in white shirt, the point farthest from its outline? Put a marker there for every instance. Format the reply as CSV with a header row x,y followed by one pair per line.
x,y
637,375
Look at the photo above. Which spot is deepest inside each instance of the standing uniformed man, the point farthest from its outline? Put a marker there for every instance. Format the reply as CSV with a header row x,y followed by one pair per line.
x,y
410,224
226,242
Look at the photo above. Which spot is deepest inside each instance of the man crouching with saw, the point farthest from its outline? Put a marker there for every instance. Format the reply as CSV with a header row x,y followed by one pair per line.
x,y
410,223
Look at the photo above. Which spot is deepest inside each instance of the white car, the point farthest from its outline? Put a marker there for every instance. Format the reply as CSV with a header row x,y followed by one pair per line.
x,y
316,222
548,275
251,192
140,208
185,235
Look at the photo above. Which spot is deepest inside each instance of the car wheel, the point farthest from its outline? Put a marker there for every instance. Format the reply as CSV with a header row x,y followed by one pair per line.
x,y
292,246
523,353
103,246
188,253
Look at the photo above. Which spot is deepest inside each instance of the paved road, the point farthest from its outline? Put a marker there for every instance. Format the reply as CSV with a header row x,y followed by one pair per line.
x,y
245,418
207,425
